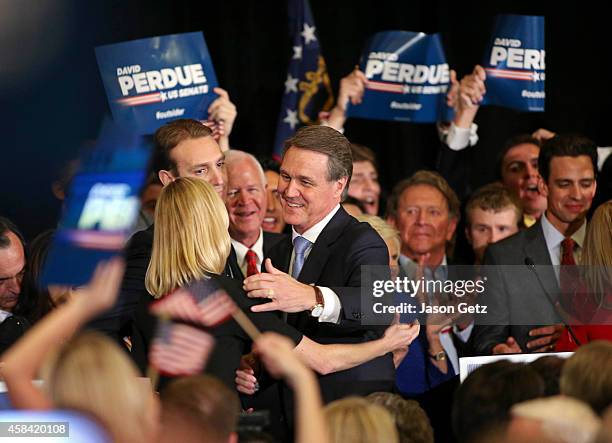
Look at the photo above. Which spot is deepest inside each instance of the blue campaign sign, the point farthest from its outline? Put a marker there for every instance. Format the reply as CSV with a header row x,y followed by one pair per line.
x,y
514,63
151,81
101,207
407,78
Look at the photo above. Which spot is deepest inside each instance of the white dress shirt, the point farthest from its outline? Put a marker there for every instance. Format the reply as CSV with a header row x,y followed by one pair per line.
x,y
4,315
332,304
241,251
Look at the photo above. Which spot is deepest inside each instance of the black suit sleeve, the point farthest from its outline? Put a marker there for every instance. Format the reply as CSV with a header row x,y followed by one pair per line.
x,y
264,321
11,329
494,328
137,257
369,250
454,166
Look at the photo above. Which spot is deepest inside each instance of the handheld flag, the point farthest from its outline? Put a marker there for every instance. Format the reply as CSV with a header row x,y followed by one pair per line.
x,y
179,349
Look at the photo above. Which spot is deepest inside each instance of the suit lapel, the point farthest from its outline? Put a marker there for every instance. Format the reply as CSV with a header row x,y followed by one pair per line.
x,y
319,254
280,254
535,248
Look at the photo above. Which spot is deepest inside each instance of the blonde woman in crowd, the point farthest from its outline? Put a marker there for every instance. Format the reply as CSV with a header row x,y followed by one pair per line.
x,y
356,420
87,373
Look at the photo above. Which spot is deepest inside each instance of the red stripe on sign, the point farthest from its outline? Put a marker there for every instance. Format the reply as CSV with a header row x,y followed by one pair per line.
x,y
512,74
140,99
387,87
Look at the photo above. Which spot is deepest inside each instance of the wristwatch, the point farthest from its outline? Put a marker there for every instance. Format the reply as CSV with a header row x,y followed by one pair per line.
x,y
317,309
438,356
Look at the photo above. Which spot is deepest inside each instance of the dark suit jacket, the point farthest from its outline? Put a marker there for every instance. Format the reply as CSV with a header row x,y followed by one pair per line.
x,y
270,240
515,297
117,322
11,329
335,261
231,342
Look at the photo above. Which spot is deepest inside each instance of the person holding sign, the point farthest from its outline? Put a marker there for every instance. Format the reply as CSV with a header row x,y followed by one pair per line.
x,y
518,162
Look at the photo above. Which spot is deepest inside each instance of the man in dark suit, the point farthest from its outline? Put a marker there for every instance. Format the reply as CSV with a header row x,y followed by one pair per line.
x,y
12,267
246,204
524,295
315,277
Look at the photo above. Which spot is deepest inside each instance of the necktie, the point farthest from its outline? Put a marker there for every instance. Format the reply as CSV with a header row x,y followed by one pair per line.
x,y
300,245
251,260
567,274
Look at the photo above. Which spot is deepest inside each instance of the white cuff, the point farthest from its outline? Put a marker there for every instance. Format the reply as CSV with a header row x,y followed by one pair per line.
x,y
326,123
602,156
463,335
332,306
460,138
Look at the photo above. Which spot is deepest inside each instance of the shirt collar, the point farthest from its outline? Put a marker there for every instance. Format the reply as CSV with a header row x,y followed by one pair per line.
x,y
4,315
257,248
313,233
554,238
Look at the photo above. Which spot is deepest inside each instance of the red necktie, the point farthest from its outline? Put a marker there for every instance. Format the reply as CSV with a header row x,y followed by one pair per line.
x,y
567,275
251,259
567,252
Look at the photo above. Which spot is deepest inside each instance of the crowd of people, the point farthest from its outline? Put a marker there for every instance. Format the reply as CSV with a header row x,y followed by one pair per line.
x,y
290,243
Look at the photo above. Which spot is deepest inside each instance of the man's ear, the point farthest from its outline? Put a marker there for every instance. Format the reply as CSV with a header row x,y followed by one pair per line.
x,y
341,184
166,177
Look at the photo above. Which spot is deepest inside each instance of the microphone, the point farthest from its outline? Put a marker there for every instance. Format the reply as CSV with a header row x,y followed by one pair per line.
x,y
532,266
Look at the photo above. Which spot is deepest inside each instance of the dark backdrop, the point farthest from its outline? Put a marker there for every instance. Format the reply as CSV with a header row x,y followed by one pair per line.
x,y
52,99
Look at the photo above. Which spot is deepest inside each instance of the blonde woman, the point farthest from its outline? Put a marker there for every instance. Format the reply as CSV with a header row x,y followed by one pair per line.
x,y
357,420
191,241
88,373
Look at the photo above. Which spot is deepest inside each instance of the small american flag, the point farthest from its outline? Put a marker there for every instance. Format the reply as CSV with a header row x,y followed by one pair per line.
x,y
178,349
202,302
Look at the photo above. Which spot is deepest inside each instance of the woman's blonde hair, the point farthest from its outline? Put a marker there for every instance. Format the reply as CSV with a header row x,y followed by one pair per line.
x,y
92,375
356,420
191,238
597,254
384,229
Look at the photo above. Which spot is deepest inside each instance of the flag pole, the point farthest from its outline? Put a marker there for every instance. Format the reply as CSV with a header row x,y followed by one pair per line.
x,y
246,324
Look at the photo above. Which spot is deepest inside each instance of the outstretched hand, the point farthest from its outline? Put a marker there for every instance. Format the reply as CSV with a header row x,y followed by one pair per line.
x,y
284,292
101,292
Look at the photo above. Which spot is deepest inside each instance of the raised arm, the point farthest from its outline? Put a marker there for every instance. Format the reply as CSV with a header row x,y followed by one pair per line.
x,y
22,362
277,355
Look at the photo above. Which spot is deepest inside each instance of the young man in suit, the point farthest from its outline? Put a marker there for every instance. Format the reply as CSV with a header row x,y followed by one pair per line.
x,y
524,295
315,277
183,148
246,203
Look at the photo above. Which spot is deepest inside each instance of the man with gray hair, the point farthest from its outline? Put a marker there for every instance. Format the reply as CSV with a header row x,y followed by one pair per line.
x,y
246,203
315,276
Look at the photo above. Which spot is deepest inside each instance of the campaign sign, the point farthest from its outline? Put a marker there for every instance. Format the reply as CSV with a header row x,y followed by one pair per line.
x,y
154,80
514,63
101,206
407,78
